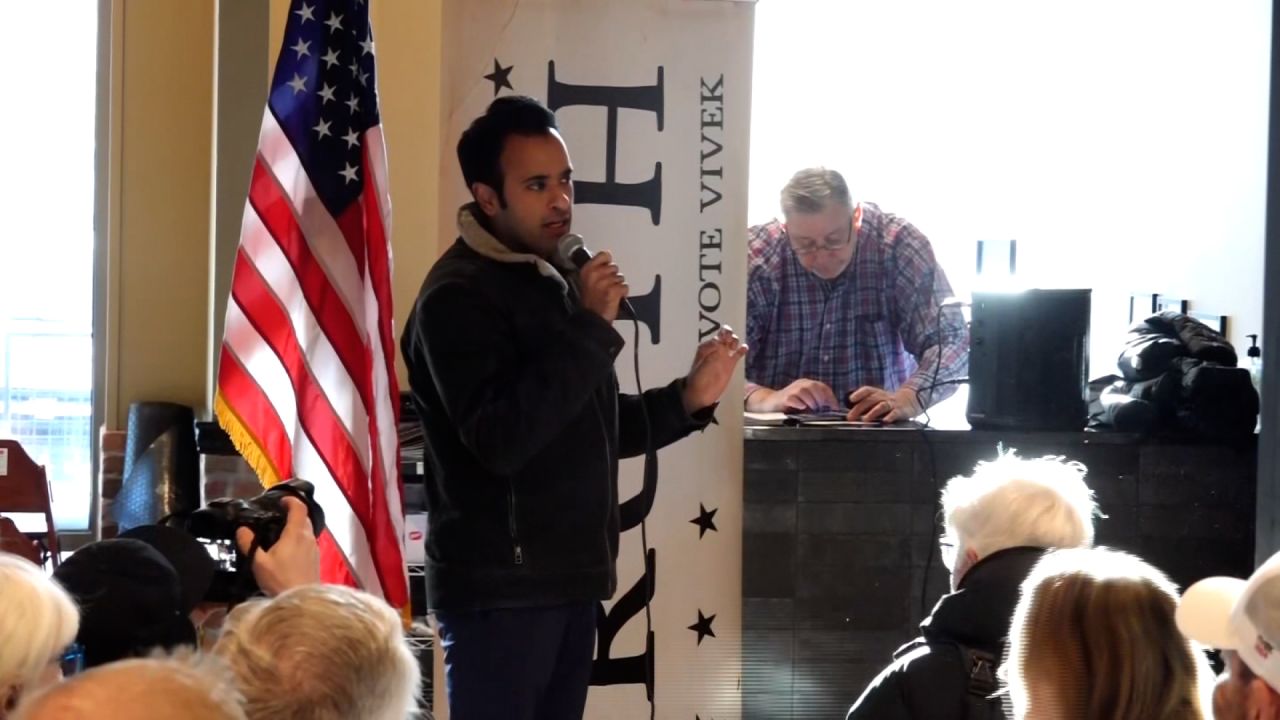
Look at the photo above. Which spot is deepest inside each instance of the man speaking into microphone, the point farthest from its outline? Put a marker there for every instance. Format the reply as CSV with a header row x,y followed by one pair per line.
x,y
510,350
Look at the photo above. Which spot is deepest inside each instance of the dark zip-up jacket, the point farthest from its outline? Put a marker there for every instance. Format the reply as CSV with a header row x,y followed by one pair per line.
x,y
524,422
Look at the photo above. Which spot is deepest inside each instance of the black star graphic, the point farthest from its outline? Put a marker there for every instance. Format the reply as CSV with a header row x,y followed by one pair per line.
x,y
500,77
703,626
705,520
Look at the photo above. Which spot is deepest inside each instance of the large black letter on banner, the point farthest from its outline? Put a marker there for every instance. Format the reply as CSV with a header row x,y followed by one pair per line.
x,y
648,309
636,669
646,194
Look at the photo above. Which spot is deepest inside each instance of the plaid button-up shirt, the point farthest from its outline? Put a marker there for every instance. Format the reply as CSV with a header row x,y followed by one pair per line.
x,y
879,323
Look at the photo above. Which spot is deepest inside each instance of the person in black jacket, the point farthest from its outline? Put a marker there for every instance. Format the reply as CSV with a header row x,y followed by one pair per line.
x,y
510,360
999,522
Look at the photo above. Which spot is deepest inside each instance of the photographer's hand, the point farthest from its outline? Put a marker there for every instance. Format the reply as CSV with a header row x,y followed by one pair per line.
x,y
295,558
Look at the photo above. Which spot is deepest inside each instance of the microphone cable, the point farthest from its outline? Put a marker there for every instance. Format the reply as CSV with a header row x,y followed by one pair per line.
x,y
650,467
933,385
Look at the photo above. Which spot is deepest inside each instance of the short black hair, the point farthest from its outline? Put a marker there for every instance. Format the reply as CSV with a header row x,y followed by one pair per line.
x,y
480,147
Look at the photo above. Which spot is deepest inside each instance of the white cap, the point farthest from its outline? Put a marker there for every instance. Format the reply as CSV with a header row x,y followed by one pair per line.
x,y
1240,615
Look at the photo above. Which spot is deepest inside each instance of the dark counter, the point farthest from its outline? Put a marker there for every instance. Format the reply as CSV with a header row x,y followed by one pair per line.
x,y
839,535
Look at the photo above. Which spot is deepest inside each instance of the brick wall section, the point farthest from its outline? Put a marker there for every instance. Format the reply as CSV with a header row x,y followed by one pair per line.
x,y
110,474
839,525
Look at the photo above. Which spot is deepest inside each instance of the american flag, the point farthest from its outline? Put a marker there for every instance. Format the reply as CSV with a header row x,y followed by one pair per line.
x,y
306,377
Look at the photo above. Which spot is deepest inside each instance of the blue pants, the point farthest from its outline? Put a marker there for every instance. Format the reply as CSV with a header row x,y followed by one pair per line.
x,y
518,664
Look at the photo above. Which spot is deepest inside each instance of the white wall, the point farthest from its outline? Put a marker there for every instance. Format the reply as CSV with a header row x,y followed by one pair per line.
x,y
1122,142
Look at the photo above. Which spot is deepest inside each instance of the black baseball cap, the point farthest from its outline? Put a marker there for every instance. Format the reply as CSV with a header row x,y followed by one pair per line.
x,y
136,592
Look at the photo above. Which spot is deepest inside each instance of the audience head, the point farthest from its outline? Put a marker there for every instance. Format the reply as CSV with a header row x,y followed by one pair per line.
x,y
38,621
320,652
1014,502
1241,618
822,220
186,686
1094,636
132,597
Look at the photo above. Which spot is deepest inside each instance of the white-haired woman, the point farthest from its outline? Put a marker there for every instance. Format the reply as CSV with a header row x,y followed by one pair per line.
x,y
1013,502
998,522
38,623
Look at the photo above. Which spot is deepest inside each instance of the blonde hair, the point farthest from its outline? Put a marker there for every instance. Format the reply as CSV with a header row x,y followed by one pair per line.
x,y
38,619
813,190
185,684
1013,502
1093,636
321,652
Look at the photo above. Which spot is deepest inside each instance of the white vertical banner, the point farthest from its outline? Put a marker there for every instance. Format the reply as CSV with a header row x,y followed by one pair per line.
x,y
653,99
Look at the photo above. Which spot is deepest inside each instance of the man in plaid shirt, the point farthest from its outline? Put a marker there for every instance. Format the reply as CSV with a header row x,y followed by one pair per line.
x,y
845,301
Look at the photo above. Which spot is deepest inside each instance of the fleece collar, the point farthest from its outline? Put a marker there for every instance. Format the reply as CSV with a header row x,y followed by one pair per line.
x,y
484,243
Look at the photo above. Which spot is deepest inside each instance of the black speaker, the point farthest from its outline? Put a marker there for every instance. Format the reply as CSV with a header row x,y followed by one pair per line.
x,y
1029,360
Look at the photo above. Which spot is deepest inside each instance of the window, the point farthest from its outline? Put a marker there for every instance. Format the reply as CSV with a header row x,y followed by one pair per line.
x,y
1123,145
47,245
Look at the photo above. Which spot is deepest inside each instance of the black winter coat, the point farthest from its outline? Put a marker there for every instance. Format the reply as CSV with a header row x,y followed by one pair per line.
x,y
929,676
1180,375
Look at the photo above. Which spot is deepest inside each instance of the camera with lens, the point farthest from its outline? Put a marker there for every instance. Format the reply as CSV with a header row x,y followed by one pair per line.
x,y
215,525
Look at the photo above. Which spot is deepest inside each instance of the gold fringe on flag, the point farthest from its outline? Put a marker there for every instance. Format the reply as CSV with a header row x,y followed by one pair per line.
x,y
245,442
251,450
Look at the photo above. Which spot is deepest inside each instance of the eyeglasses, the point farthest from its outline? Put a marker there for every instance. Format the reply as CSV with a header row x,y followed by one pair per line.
x,y
948,547
828,243
72,659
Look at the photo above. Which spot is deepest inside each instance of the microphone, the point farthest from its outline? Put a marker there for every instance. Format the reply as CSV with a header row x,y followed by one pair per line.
x,y
571,251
